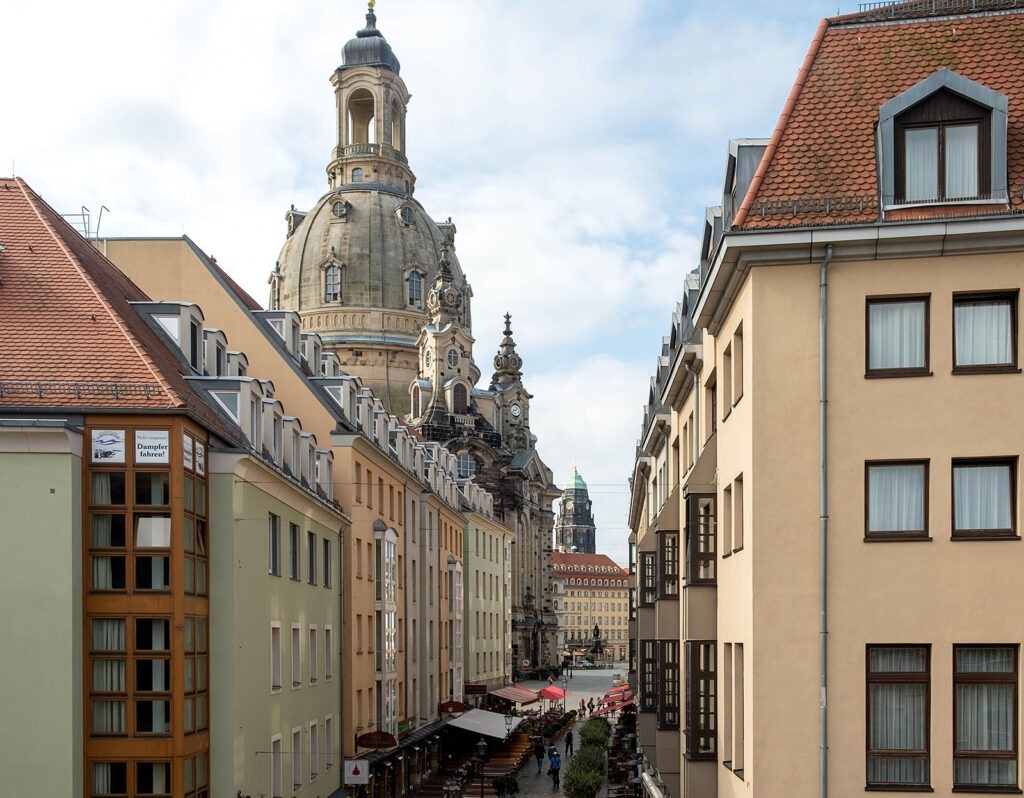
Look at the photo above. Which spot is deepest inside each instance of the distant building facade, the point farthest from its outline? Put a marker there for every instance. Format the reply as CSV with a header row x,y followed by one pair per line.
x,y
575,530
593,595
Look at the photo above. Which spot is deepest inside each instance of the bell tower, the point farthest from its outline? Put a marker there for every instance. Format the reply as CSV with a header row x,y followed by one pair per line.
x,y
512,399
371,100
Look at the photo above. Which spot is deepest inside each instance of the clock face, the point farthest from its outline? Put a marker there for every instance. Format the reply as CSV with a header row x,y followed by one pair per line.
x,y
516,410
569,505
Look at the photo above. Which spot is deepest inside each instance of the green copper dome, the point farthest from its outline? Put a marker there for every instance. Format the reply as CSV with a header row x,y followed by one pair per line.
x,y
575,481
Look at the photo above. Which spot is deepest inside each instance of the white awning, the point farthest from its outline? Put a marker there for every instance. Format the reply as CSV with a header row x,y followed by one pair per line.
x,y
491,724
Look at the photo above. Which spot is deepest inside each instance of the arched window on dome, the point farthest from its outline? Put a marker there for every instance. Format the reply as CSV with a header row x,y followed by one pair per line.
x,y
466,465
416,401
332,284
460,398
416,289
357,175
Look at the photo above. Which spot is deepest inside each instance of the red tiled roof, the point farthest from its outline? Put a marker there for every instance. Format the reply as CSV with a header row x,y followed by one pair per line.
x,y
824,145
562,560
68,335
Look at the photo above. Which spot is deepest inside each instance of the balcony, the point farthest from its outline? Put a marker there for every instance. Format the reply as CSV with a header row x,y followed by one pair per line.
x,y
378,150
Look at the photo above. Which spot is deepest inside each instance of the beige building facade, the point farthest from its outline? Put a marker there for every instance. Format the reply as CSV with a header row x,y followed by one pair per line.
x,y
833,438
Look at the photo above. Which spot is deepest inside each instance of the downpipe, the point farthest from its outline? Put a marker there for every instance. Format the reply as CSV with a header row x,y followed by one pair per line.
x,y
823,516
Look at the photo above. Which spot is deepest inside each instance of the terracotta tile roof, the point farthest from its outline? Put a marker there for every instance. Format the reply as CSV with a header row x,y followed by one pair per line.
x,y
563,560
68,335
820,166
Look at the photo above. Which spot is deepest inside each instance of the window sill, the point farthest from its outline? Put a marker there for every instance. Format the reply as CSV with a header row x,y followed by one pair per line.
x,y
995,368
899,788
885,374
897,537
738,549
726,555
983,535
1005,789
728,412
737,400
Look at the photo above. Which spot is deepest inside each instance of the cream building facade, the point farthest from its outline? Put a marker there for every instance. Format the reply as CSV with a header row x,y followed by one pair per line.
x,y
593,593
825,493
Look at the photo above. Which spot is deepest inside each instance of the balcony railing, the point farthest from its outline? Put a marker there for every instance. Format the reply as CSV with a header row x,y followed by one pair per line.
x,y
381,150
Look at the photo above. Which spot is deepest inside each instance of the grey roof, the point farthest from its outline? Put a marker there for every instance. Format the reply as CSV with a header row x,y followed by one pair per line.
x,y
369,48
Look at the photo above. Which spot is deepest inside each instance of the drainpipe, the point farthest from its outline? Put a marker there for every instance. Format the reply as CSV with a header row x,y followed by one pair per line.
x,y
823,518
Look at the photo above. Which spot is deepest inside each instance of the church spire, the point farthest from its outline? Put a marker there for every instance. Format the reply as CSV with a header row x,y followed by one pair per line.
x,y
507,363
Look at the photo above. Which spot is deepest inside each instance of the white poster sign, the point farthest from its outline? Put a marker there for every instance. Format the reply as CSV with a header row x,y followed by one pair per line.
x,y
152,446
357,771
108,445
200,459
186,450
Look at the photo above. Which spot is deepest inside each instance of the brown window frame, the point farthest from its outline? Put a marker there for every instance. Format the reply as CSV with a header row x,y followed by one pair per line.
x,y
984,534
984,677
896,535
701,691
910,371
898,677
648,578
943,110
668,564
701,539
1010,297
669,697
648,676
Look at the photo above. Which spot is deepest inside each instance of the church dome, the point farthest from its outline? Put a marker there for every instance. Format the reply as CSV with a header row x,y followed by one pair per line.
x,y
575,481
369,48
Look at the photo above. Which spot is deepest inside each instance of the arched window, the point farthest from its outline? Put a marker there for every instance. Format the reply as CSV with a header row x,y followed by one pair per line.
x,y
362,122
415,289
357,175
467,465
416,400
460,398
332,284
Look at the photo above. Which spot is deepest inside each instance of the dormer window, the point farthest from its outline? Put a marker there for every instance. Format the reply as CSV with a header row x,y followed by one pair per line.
x,y
194,348
943,141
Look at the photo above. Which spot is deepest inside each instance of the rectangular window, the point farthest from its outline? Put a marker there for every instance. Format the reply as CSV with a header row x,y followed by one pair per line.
x,y
984,332
897,337
294,552
737,513
648,675
727,717
700,699
727,380
276,768
649,578
296,655
296,759
739,741
898,697
109,779
313,655
359,482
668,564
984,497
737,365
700,539
311,557
314,750
328,654
327,562
727,520
985,717
274,538
668,676
275,656
328,742
896,499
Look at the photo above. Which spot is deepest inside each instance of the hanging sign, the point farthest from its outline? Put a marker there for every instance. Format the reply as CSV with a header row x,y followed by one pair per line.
x,y
357,771
108,445
376,739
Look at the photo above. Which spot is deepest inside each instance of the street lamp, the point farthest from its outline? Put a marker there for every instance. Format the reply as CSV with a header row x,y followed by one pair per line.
x,y
509,720
565,691
481,749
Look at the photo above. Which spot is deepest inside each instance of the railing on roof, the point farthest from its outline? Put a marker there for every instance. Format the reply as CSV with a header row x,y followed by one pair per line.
x,y
40,389
932,7
383,150
82,222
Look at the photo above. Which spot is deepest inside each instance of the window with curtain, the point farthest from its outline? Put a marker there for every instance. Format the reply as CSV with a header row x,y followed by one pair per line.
x,y
897,499
897,336
984,332
985,716
984,497
153,778
898,684
109,779
943,150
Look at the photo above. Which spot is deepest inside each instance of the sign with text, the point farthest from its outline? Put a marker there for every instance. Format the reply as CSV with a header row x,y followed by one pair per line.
x,y
186,450
152,446
200,459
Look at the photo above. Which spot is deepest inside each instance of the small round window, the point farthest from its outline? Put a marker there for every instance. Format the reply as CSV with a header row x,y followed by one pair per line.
x,y
340,209
453,358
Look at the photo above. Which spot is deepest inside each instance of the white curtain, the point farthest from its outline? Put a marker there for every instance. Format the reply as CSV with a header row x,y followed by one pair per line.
x,y
101,488
896,498
985,718
108,573
108,675
984,334
108,634
961,161
922,164
897,335
981,497
108,717
108,778
153,531
897,717
151,573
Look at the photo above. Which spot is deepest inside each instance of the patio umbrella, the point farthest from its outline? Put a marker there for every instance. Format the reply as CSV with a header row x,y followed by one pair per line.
x,y
552,693
616,691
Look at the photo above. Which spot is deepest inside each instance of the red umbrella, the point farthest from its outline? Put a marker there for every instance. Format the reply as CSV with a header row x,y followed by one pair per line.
x,y
552,693
616,691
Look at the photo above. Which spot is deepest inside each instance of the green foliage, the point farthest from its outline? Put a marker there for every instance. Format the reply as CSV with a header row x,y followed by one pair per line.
x,y
579,783
589,757
506,786
595,730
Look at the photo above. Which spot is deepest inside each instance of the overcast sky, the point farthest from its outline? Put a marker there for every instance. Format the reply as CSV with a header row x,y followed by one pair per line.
x,y
574,144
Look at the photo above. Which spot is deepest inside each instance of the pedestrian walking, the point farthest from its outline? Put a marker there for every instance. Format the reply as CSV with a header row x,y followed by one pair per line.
x,y
583,708
555,769
538,752
568,743
590,706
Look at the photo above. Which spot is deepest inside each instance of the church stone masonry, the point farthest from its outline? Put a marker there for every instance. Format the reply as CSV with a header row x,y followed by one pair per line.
x,y
369,271
576,531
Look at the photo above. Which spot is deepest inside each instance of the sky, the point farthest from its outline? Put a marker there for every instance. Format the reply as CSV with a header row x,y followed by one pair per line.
x,y
575,145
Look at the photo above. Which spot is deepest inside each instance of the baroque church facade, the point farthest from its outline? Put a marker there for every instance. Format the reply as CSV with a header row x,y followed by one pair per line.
x,y
379,280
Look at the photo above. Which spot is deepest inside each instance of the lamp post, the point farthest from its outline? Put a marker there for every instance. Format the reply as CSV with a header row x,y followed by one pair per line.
x,y
481,749
565,691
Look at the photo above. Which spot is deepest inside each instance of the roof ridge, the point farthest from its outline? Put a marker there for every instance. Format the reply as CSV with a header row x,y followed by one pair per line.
x,y
780,127
31,197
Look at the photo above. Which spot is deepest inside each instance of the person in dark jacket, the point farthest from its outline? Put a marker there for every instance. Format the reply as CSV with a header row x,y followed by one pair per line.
x,y
538,752
568,743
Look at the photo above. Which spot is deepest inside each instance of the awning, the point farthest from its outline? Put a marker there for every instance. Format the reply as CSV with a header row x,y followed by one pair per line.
x,y
552,693
617,691
517,694
480,721
613,707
